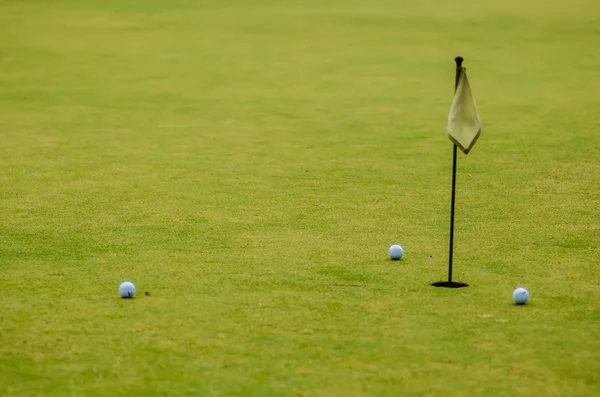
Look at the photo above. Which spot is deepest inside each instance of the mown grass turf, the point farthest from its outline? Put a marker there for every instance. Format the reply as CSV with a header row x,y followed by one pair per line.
x,y
249,162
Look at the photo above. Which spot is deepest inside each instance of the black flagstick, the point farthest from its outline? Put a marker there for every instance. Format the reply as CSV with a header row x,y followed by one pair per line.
x,y
450,284
459,61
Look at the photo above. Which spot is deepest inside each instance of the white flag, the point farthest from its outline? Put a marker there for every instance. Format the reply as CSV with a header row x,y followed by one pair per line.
x,y
464,125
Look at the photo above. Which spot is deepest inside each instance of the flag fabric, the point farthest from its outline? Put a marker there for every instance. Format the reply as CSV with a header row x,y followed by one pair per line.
x,y
464,125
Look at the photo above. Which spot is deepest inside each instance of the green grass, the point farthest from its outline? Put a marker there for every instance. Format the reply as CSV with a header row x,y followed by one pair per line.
x,y
250,162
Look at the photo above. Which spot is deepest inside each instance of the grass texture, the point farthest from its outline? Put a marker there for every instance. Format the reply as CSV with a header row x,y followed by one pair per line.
x,y
248,163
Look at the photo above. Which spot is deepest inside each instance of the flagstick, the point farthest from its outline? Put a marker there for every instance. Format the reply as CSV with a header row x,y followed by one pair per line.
x,y
450,284
452,215
459,61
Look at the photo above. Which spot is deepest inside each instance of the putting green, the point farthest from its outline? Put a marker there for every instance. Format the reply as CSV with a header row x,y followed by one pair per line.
x,y
248,163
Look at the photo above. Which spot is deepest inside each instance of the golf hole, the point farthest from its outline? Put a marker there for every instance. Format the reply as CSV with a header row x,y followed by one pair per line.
x,y
449,284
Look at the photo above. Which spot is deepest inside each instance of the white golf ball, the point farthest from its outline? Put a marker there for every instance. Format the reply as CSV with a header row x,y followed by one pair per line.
x,y
127,289
395,252
520,296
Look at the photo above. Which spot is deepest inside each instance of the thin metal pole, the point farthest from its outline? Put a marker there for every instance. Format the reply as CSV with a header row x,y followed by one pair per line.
x,y
452,214
459,61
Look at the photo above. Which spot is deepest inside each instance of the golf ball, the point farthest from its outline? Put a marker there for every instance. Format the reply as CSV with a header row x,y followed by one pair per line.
x,y
395,252
127,289
520,296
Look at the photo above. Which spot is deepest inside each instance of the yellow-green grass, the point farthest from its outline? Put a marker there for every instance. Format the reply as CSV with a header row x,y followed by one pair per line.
x,y
249,162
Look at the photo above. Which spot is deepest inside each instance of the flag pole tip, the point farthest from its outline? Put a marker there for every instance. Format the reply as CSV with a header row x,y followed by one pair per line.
x,y
459,60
